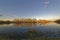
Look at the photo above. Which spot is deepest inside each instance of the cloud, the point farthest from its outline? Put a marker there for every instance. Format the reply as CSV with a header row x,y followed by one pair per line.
x,y
46,3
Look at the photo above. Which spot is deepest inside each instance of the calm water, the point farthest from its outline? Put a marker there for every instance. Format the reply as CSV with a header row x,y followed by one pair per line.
x,y
29,26
20,30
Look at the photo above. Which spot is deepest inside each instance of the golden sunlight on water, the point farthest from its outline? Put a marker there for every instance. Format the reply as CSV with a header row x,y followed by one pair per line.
x,y
31,24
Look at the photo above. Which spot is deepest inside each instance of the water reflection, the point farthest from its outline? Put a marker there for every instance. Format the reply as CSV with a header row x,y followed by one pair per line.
x,y
29,34
29,30
25,24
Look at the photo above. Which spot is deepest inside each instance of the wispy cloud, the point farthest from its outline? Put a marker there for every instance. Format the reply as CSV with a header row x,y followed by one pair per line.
x,y
46,3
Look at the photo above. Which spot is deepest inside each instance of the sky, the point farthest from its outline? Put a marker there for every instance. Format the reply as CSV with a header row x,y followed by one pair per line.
x,y
39,9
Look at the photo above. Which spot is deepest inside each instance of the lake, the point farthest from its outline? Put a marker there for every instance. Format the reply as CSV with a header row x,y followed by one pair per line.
x,y
29,30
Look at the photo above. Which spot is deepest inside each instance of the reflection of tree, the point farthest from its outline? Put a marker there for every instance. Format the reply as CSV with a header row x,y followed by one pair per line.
x,y
24,24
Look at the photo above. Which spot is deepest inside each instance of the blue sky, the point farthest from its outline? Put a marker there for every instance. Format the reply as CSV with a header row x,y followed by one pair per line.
x,y
44,9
